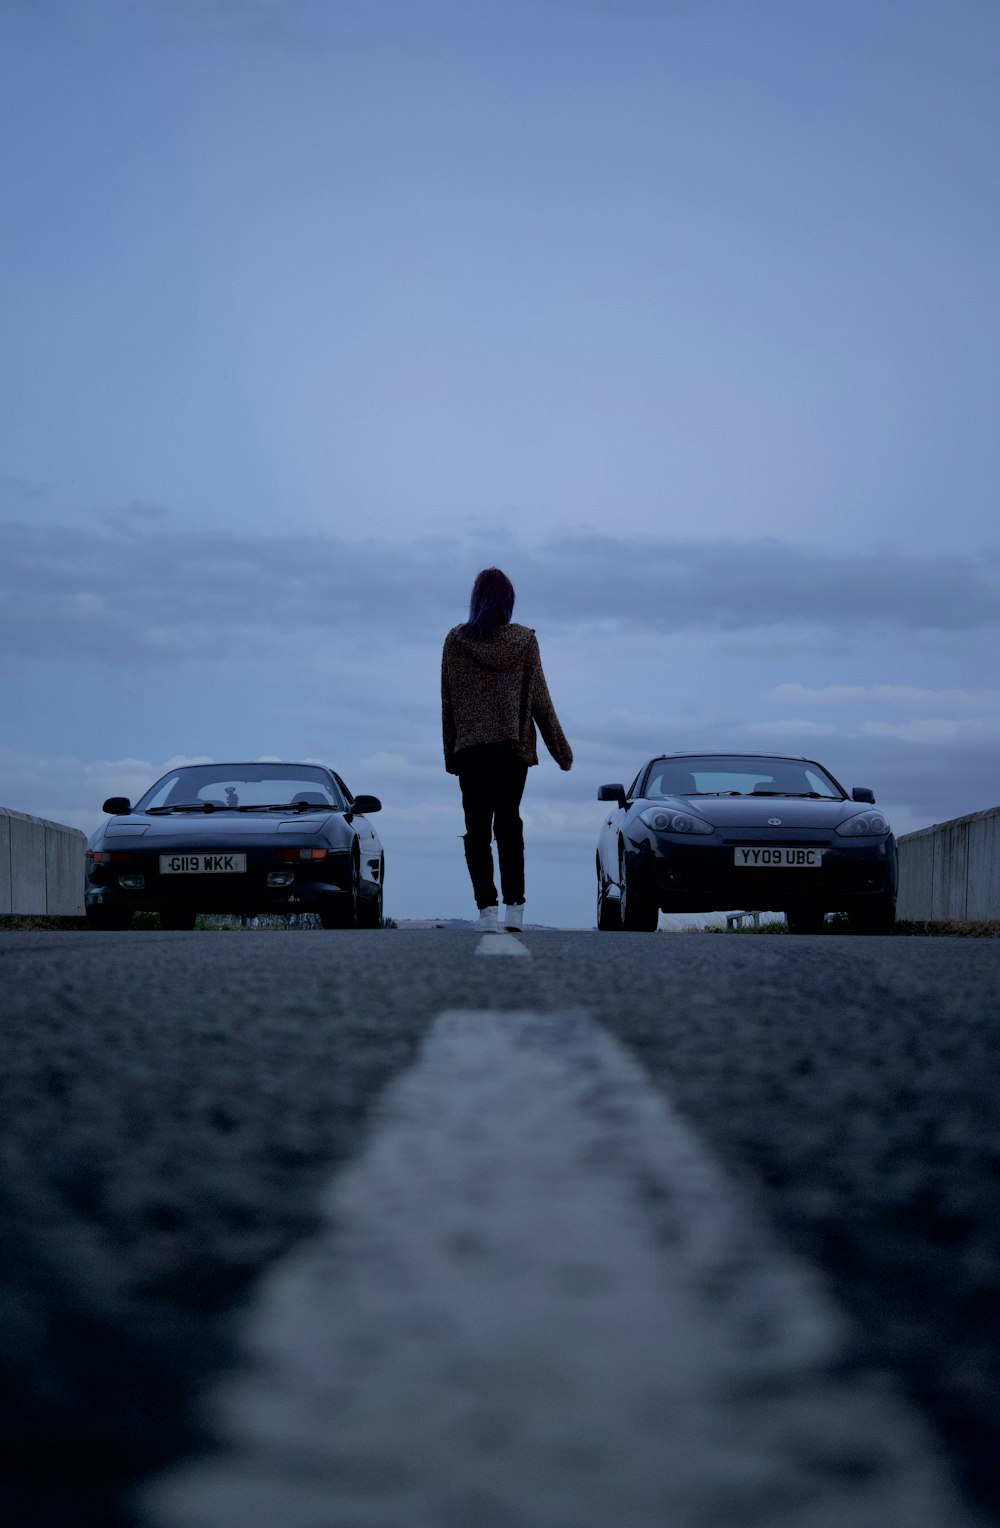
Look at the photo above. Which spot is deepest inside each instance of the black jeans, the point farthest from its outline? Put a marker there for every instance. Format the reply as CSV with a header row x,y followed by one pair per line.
x,y
492,779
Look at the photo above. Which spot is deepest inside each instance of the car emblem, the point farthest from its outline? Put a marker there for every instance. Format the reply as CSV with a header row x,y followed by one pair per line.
x,y
774,822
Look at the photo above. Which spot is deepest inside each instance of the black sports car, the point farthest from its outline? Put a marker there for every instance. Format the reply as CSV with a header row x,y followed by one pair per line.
x,y
238,838
705,832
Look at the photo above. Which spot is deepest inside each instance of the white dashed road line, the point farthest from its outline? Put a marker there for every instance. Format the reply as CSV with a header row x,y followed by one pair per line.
x,y
501,944
538,1303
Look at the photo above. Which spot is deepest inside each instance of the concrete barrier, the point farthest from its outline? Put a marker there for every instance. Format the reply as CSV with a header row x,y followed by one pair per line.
x,y
951,870
42,867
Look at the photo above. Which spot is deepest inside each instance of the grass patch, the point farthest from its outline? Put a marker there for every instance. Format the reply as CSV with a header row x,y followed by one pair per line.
x,y
955,928
23,923
837,923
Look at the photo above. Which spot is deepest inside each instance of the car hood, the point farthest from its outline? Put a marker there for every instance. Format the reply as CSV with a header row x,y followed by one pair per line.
x,y
760,811
220,827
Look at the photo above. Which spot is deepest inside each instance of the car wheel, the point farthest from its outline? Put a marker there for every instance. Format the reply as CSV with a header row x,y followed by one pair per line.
x,y
608,918
371,908
343,912
113,920
877,915
805,920
638,912
178,919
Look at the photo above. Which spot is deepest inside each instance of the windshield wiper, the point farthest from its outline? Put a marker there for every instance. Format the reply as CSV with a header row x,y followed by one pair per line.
x,y
289,806
799,795
188,806
813,796
788,795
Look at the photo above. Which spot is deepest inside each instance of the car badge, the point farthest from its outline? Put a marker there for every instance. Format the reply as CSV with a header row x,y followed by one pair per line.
x,y
774,822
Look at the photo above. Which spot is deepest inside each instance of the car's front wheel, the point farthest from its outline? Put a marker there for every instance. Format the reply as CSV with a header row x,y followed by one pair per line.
x,y
370,915
344,912
608,916
639,913
876,915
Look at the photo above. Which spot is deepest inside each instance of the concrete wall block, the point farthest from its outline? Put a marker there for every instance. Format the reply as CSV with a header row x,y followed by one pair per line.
x,y
6,905
42,867
27,865
916,876
984,866
951,870
65,871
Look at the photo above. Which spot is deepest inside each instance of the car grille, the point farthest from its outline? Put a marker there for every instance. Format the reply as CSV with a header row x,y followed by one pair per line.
x,y
800,841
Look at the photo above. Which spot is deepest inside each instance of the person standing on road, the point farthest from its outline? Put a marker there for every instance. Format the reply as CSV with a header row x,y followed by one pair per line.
x,y
493,692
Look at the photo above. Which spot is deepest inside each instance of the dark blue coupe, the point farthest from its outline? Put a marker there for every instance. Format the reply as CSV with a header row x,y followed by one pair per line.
x,y
238,838
701,833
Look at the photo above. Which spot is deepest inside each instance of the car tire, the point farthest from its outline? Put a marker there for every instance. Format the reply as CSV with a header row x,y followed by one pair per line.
x,y
608,912
178,920
111,920
638,912
344,912
370,914
877,915
805,920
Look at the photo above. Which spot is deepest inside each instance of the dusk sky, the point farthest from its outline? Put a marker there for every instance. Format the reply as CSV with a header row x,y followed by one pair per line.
x,y
683,312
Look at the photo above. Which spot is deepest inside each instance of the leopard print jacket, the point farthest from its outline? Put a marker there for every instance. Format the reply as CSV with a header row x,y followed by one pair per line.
x,y
494,691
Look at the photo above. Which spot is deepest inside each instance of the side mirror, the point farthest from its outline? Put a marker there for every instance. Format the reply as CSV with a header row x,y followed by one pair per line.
x,y
862,793
117,806
614,793
362,805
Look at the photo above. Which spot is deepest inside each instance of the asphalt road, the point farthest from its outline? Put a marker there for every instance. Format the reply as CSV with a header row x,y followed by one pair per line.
x,y
793,1136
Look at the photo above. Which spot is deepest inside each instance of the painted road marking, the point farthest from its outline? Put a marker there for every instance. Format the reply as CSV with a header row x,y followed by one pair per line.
x,y
505,944
538,1303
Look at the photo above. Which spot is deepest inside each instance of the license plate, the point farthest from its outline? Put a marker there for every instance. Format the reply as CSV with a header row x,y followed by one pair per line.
x,y
202,864
779,859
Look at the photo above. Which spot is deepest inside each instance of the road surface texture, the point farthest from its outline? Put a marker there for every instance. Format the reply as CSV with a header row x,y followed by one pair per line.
x,y
431,1230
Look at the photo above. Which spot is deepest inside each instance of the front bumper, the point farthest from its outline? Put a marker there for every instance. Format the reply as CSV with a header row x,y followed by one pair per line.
x,y
701,876
242,892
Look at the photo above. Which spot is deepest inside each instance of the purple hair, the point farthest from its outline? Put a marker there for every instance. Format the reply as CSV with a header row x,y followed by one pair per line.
x,y
491,605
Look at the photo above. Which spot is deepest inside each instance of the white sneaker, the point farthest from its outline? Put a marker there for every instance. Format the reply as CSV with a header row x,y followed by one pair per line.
x,y
488,923
513,918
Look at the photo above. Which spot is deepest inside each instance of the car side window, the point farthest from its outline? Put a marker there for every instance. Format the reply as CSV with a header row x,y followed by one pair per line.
x,y
821,784
163,792
345,793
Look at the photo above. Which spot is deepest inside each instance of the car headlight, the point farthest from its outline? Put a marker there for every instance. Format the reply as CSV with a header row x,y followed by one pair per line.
x,y
864,825
662,820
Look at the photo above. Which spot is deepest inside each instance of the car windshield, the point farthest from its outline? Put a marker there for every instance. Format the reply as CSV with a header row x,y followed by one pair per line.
x,y
732,775
243,787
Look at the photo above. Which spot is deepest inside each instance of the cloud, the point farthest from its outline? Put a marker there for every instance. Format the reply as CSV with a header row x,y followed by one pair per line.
x,y
908,697
136,518
935,730
134,589
20,488
297,26
668,584
69,789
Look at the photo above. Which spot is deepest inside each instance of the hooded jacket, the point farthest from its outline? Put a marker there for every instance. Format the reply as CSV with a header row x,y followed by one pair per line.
x,y
494,691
